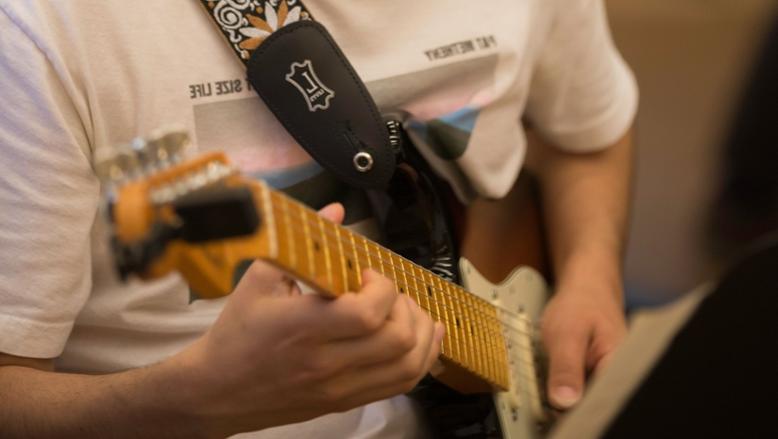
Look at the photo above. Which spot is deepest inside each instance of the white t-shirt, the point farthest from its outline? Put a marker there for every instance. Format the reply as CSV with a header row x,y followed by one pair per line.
x,y
76,76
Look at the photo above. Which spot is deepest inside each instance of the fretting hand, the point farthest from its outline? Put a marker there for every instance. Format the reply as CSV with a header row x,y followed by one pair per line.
x,y
275,357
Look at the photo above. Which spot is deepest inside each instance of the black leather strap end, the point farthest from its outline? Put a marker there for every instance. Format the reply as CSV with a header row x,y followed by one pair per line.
x,y
307,82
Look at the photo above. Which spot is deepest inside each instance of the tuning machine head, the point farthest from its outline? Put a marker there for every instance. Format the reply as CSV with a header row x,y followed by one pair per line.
x,y
161,149
154,195
116,166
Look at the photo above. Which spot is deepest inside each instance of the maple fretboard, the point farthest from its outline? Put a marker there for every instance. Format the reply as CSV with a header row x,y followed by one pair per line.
x,y
330,258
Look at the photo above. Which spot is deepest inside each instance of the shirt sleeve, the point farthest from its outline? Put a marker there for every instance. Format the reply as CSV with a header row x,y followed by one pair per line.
x,y
48,195
583,97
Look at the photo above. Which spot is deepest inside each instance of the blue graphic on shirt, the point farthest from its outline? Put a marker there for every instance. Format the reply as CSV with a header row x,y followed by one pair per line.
x,y
464,118
449,134
287,177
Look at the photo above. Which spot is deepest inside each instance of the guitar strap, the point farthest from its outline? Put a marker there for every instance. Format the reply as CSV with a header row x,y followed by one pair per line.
x,y
309,85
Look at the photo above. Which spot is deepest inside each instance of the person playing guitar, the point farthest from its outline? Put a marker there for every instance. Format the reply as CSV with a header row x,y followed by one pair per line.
x,y
82,354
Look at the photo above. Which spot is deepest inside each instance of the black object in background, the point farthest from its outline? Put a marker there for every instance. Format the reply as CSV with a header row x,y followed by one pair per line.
x,y
747,203
719,376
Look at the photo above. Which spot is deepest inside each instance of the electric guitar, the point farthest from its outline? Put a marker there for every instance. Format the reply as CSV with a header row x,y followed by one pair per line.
x,y
203,219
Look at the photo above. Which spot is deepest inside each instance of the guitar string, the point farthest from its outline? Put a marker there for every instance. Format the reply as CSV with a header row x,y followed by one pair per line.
x,y
421,280
507,326
306,216
425,282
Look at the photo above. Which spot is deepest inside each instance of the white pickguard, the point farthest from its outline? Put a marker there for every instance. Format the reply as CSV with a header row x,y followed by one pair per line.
x,y
520,299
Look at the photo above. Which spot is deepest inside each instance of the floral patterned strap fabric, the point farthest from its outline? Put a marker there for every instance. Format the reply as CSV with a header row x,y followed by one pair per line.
x,y
246,23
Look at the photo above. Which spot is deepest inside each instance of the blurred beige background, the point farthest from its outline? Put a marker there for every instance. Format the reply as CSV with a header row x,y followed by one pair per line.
x,y
690,58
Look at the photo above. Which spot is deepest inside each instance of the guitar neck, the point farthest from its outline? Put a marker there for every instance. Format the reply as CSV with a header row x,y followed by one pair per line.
x,y
331,258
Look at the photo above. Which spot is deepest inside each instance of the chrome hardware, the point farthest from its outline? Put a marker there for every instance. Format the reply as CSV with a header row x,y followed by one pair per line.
x,y
116,166
119,165
395,137
363,161
166,146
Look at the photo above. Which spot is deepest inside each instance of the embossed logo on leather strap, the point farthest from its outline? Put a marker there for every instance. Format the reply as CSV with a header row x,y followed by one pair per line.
x,y
305,79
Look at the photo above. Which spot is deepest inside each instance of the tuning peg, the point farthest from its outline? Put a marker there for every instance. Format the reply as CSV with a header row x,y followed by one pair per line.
x,y
116,165
167,146
145,156
161,149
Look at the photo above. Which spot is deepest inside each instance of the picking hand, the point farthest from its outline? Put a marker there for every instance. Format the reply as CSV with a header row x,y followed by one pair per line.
x,y
580,328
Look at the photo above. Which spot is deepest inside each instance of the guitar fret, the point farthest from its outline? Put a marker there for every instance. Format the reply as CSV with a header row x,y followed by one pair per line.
x,y
431,305
443,309
495,334
395,276
367,251
326,247
408,268
384,271
267,207
467,341
355,257
375,251
502,355
283,251
490,358
485,335
291,242
475,332
460,321
308,241
502,352
444,298
414,292
342,259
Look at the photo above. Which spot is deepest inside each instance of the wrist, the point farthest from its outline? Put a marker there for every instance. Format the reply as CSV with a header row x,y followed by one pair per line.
x,y
591,271
165,394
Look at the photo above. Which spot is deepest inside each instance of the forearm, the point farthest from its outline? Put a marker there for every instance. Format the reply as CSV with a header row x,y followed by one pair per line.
x,y
586,199
136,403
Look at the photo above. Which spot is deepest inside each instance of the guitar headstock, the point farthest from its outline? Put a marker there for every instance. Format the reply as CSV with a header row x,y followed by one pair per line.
x,y
167,210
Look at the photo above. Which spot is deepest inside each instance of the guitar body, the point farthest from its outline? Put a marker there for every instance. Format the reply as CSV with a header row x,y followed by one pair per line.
x,y
473,412
502,255
524,292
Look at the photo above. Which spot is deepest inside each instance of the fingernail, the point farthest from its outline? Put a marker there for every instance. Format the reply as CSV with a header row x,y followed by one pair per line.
x,y
565,396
